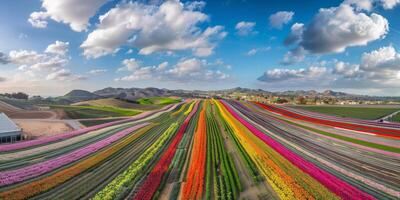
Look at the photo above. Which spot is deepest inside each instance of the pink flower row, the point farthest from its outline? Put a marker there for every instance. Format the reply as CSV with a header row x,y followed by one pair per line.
x,y
44,140
21,174
336,185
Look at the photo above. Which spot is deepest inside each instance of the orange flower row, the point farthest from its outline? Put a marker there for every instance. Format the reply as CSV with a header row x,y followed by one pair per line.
x,y
193,187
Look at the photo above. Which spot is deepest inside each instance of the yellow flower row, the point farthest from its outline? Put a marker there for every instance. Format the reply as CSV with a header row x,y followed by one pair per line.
x,y
288,181
180,110
190,108
115,186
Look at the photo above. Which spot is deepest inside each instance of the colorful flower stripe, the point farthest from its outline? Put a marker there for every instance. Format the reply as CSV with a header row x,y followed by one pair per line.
x,y
63,136
153,180
334,167
8,156
32,188
371,143
344,119
190,108
113,189
180,109
288,181
193,187
336,185
393,133
340,167
22,174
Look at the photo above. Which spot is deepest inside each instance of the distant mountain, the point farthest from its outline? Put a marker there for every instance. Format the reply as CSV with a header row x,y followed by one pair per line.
x,y
296,93
132,93
78,95
244,90
313,93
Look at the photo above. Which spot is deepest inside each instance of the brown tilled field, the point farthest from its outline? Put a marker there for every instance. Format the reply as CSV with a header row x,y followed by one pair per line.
x,y
36,128
35,123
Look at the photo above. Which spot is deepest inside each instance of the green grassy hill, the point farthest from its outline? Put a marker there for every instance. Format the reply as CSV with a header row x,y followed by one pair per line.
x,y
112,102
158,100
80,112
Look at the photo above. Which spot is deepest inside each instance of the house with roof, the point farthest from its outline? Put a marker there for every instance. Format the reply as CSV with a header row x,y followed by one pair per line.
x,y
9,131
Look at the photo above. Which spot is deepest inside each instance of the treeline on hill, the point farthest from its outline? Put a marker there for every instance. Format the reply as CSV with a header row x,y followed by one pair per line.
x,y
16,95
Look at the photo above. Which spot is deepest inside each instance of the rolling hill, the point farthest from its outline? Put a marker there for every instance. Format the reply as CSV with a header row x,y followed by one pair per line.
x,y
79,95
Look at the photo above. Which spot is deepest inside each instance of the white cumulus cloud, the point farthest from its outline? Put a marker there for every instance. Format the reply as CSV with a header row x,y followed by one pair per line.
x,y
59,47
186,70
64,75
97,71
254,51
334,29
75,13
130,64
170,26
378,70
278,74
368,5
49,64
38,19
389,4
277,20
245,28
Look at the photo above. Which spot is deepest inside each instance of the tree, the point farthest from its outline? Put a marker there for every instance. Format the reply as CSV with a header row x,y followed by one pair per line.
x,y
18,95
301,100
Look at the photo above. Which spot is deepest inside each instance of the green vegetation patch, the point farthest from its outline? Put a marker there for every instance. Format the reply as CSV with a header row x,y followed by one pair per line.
x,y
158,101
88,123
352,112
80,112
395,118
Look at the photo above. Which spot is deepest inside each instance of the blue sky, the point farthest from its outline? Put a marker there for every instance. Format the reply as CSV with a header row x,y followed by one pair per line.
x,y
50,47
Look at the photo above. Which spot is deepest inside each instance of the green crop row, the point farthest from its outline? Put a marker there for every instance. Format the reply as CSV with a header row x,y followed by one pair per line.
x,y
249,163
221,174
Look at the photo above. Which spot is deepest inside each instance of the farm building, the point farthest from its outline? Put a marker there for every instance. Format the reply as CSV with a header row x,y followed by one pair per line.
x,y
9,131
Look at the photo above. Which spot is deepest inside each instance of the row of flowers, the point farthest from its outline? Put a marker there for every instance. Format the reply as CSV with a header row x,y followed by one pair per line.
x,y
25,153
385,132
181,108
334,184
286,180
190,108
63,136
41,185
193,187
113,189
222,177
21,174
153,180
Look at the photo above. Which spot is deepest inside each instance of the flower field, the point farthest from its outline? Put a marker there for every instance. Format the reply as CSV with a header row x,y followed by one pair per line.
x,y
209,149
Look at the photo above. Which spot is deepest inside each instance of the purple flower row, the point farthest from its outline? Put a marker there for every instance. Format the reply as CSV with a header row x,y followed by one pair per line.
x,y
44,140
18,175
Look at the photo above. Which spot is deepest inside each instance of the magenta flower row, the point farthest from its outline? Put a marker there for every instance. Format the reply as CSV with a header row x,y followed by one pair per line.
x,y
63,136
22,174
336,185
